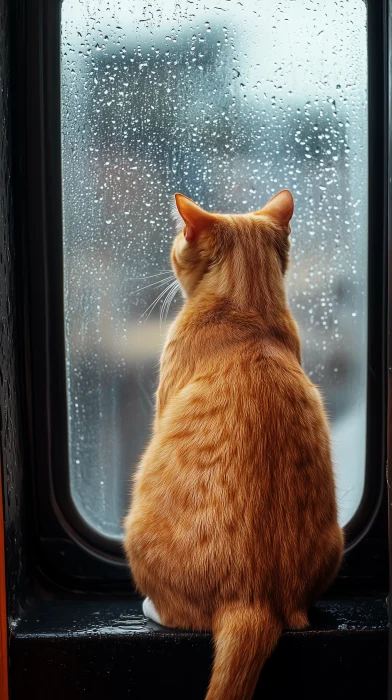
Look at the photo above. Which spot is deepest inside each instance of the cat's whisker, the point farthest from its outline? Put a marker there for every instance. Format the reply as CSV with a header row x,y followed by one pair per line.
x,y
166,291
164,305
171,297
154,303
157,283
147,277
163,308
177,289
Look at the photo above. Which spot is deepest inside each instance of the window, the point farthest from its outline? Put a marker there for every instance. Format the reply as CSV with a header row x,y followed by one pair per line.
x,y
226,102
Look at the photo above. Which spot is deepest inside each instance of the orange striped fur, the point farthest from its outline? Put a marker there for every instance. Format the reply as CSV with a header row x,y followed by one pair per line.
x,y
233,521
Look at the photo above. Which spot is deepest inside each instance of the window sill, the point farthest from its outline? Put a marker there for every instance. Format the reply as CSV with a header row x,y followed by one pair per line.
x,y
107,649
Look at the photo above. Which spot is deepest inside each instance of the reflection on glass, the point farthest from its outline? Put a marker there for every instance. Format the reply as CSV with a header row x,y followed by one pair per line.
x,y
226,104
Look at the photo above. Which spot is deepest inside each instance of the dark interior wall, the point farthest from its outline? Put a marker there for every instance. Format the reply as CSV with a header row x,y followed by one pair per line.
x,y
10,449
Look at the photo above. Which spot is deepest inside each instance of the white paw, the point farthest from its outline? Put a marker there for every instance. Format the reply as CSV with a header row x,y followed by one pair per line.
x,y
150,611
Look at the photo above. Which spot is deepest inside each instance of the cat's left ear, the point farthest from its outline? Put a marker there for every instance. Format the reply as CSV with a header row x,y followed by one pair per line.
x,y
280,208
194,217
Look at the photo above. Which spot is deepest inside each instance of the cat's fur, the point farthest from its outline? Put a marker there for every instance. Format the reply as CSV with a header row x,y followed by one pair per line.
x,y
233,522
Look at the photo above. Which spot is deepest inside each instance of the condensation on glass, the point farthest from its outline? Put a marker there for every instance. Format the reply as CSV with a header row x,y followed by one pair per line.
x,y
227,102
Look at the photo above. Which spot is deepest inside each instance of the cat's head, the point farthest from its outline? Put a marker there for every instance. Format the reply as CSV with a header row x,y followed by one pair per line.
x,y
230,252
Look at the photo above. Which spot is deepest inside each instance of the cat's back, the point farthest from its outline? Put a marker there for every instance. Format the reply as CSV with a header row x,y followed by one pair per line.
x,y
248,386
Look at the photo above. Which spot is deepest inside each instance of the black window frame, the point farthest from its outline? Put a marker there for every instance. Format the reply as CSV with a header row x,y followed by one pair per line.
x,y
70,554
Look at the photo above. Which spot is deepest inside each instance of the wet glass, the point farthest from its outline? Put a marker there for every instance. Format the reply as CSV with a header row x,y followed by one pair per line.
x,y
226,102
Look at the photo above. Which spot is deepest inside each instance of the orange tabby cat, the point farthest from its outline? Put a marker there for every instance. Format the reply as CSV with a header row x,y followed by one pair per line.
x,y
233,523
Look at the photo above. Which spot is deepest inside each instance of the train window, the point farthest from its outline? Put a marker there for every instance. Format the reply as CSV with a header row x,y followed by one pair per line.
x,y
227,104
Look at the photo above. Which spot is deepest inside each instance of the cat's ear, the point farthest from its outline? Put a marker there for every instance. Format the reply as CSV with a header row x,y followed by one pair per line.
x,y
194,217
280,208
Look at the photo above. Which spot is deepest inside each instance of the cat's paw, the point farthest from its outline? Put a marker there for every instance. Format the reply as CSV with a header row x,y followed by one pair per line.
x,y
150,611
298,621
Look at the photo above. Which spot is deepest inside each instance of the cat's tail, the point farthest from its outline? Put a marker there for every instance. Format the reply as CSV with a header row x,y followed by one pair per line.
x,y
244,638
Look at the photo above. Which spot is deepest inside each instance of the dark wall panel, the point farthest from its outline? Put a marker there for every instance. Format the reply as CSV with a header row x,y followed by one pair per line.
x,y
10,449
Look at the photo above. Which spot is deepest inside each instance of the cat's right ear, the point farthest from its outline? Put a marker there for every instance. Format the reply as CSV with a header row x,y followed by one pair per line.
x,y
193,216
280,208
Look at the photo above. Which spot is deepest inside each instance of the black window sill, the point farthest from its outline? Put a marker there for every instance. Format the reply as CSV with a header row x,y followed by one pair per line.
x,y
107,649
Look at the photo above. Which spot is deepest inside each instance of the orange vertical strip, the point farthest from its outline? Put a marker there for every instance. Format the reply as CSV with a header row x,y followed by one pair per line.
x,y
3,609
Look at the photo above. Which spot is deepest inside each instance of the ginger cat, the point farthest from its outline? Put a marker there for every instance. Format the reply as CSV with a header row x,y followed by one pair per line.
x,y
233,523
